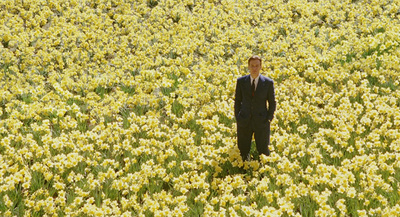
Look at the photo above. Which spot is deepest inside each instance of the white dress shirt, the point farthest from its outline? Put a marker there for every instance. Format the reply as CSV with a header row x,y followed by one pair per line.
x,y
255,81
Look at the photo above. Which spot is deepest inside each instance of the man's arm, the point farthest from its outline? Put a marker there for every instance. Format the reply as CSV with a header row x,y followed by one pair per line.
x,y
271,101
238,98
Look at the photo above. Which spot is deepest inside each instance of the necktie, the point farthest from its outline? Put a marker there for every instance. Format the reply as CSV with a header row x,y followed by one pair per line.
x,y
253,87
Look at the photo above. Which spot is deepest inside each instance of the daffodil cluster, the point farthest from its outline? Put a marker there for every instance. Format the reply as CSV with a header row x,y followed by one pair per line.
x,y
125,107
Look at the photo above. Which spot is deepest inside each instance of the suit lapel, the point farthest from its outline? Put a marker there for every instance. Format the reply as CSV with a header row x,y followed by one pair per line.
x,y
261,81
260,84
248,83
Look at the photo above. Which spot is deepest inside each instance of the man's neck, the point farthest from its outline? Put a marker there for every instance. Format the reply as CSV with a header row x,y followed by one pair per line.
x,y
254,77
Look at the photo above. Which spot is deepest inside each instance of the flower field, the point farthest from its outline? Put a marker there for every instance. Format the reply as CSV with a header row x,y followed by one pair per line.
x,y
125,107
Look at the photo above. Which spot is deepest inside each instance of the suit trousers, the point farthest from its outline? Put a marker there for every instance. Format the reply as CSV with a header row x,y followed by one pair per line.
x,y
261,136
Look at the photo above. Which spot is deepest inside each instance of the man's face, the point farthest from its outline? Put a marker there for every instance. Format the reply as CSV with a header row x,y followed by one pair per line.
x,y
254,68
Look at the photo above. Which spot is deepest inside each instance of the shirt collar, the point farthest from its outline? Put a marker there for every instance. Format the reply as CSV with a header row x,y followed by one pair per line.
x,y
256,79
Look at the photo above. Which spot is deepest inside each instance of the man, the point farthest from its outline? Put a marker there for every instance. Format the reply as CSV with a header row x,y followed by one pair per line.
x,y
254,109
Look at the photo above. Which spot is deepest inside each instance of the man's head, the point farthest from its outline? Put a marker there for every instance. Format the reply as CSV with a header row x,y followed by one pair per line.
x,y
254,64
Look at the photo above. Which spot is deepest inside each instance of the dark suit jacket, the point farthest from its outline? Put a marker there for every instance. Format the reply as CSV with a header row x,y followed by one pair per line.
x,y
256,110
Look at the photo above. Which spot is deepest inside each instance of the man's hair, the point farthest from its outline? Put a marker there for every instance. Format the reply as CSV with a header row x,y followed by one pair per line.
x,y
254,57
